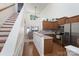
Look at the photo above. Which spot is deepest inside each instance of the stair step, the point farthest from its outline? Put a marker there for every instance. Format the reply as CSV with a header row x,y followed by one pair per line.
x,y
7,26
11,18
3,39
14,16
10,21
1,46
5,29
4,34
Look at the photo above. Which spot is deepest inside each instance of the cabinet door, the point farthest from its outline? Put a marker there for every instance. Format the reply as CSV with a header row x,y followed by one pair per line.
x,y
48,46
74,19
61,21
49,25
46,25
68,21
55,25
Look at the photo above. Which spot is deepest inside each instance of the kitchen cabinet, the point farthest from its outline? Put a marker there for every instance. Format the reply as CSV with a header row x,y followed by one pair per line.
x,y
61,21
72,19
48,25
68,21
48,43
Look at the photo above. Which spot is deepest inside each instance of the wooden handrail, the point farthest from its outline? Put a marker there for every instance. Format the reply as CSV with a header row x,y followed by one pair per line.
x,y
6,7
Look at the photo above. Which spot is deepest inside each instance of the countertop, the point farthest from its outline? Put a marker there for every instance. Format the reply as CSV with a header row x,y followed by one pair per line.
x,y
43,35
47,32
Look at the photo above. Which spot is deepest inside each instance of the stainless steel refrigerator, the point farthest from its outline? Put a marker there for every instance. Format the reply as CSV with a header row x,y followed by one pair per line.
x,y
71,34
67,34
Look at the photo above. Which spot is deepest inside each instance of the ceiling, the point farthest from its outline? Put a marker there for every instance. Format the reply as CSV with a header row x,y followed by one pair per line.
x,y
39,6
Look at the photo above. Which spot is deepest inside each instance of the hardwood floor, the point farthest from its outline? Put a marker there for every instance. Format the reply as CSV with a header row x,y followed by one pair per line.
x,y
57,50
30,50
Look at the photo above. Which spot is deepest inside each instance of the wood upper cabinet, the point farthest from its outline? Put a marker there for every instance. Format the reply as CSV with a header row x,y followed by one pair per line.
x,y
62,20
55,25
74,19
67,21
48,25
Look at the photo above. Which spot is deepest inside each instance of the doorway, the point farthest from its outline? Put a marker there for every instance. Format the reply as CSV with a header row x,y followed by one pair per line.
x,y
20,5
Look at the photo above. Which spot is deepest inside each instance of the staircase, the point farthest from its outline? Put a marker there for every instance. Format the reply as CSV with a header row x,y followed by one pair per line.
x,y
5,29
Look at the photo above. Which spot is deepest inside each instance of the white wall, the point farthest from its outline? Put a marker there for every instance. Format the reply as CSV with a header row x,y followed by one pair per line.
x,y
6,13
3,5
56,10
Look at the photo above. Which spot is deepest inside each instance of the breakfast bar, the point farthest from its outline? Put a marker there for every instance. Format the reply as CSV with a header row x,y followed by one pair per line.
x,y
43,43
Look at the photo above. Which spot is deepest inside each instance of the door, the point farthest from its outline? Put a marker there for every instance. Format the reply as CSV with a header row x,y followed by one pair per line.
x,y
20,5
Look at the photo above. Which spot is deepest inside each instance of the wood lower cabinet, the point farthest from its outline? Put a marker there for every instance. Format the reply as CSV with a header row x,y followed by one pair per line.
x,y
48,46
48,25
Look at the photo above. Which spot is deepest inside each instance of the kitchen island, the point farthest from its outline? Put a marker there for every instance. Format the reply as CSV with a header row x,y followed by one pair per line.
x,y
43,43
